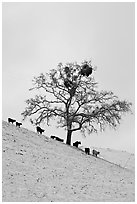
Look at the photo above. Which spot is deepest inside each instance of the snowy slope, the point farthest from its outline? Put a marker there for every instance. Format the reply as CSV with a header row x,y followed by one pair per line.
x,y
39,169
121,158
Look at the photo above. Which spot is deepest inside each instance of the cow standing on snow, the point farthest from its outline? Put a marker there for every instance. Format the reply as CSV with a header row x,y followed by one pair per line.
x,y
57,138
75,144
95,153
18,124
39,130
87,151
10,120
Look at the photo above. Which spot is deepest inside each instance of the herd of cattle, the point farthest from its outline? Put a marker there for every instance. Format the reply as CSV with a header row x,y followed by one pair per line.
x,y
87,149
40,130
12,121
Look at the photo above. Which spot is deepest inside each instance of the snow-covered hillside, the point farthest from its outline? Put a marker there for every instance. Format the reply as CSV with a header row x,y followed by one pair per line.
x,y
121,158
37,168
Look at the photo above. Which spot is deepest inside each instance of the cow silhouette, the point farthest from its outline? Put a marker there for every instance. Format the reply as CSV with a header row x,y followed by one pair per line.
x,y
95,153
87,151
52,136
57,138
10,120
75,144
18,124
39,130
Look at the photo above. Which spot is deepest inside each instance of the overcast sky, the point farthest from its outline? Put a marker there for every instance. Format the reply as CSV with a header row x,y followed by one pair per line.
x,y
37,36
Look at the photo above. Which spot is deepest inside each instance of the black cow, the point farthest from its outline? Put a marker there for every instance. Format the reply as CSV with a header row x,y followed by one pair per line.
x,y
87,151
53,137
39,130
10,120
75,144
95,153
57,138
18,124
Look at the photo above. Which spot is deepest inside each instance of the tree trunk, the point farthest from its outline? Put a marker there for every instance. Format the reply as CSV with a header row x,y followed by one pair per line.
x,y
69,133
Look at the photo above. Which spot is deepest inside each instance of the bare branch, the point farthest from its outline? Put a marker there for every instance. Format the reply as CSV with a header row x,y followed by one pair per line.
x,y
70,95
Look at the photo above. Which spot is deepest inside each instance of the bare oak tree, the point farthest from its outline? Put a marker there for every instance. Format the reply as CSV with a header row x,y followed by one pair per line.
x,y
70,95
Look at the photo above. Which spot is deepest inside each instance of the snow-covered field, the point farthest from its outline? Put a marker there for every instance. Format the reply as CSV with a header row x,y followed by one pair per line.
x,y
121,158
39,169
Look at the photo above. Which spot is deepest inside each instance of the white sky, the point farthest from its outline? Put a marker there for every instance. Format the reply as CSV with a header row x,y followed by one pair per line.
x,y
37,36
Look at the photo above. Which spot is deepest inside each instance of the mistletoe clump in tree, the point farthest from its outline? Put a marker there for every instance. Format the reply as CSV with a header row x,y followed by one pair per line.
x,y
70,95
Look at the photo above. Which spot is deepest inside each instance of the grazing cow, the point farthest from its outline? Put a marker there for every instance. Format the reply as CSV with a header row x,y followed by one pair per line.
x,y
10,120
87,151
53,137
95,153
57,138
18,124
75,144
39,130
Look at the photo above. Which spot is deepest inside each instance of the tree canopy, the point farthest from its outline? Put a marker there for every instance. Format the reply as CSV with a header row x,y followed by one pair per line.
x,y
70,94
